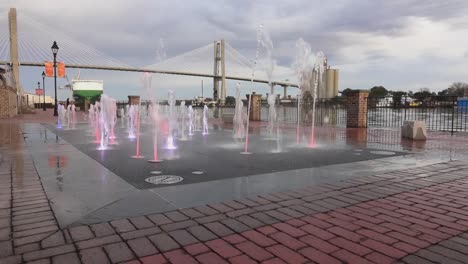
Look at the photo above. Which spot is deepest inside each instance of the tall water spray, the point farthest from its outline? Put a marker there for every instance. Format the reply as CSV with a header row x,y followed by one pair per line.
x,y
97,133
137,130
183,120
122,117
303,67
318,70
239,115
69,116
131,117
91,115
260,35
112,118
59,116
272,124
198,119
107,119
191,117
74,120
205,120
155,120
171,119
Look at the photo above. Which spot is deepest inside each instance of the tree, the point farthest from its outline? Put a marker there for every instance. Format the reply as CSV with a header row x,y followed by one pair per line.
x,y
230,100
458,89
397,95
423,92
345,92
443,92
378,91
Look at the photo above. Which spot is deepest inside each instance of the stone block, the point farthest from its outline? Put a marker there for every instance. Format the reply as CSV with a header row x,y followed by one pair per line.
x,y
227,118
415,130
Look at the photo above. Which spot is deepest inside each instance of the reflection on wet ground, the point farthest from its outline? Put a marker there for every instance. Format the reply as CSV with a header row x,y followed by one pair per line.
x,y
81,190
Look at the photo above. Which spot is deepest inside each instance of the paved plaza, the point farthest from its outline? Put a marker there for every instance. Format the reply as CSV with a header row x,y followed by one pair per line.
x,y
410,207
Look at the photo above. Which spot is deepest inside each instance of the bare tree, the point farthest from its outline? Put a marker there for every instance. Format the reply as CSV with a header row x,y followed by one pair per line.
x,y
458,89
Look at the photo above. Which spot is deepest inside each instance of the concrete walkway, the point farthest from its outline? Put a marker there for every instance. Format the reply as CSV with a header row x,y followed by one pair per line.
x,y
409,216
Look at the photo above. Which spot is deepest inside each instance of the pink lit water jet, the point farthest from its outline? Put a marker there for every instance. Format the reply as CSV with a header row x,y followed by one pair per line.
x,y
138,154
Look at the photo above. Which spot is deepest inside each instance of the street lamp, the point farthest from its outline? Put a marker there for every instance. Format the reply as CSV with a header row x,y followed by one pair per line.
x,y
55,49
43,90
38,87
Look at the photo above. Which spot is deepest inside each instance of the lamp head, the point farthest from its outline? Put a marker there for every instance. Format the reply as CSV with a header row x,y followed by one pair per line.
x,y
55,48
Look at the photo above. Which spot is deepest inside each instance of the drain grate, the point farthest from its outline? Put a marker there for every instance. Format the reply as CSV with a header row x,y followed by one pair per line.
x,y
386,153
164,179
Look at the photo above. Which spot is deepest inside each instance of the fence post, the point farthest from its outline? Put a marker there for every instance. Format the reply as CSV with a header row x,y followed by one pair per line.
x,y
406,98
453,113
356,109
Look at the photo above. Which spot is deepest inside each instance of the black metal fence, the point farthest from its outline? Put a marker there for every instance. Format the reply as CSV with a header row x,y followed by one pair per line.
x,y
328,111
440,113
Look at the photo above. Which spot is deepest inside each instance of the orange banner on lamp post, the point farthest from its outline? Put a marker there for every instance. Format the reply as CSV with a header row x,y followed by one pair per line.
x,y
49,69
60,69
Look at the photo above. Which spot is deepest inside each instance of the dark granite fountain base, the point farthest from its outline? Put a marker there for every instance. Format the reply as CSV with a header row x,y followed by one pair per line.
x,y
215,156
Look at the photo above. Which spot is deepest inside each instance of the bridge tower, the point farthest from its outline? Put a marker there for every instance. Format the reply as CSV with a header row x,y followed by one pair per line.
x,y
13,28
219,72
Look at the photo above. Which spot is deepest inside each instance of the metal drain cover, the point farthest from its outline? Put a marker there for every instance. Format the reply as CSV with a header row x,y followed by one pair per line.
x,y
164,179
386,153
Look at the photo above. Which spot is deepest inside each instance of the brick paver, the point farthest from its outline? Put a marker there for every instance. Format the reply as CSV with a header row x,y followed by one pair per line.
x,y
412,216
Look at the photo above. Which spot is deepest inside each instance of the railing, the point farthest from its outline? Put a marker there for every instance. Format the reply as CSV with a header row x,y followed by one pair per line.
x,y
440,113
328,111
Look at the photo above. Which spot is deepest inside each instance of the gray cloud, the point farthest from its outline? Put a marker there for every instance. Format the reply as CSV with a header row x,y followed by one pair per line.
x,y
130,30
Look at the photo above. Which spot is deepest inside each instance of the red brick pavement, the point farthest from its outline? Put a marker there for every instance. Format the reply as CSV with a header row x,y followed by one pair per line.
x,y
414,216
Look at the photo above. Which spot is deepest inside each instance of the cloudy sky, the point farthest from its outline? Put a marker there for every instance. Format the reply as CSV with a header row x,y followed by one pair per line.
x,y
400,44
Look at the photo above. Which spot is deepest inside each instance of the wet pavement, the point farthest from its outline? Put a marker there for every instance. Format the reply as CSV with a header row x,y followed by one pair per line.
x,y
86,186
408,208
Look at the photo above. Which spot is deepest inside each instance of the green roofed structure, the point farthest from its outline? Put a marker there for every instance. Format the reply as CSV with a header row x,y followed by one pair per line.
x,y
86,92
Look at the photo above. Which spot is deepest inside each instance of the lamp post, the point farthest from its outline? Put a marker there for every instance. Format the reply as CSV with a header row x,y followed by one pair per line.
x,y
43,90
38,87
55,49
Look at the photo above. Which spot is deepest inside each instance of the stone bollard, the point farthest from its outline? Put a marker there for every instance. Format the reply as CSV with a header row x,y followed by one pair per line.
x,y
414,130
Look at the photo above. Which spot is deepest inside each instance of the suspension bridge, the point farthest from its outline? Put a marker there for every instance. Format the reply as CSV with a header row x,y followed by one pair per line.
x,y
26,42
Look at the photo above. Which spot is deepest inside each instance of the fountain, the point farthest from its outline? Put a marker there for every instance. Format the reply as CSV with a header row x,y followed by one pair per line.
x,y
137,127
153,116
122,117
155,120
112,118
60,115
97,133
172,120
205,120
91,115
239,115
131,116
302,66
318,69
73,109
246,144
106,120
68,116
272,124
198,120
183,115
191,116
